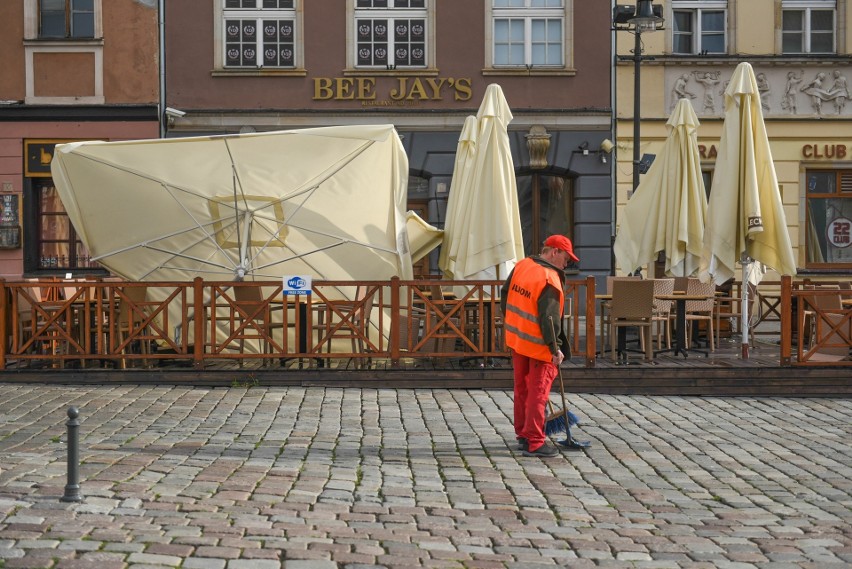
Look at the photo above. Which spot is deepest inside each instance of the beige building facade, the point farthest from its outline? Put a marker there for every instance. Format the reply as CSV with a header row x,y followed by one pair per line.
x,y
800,51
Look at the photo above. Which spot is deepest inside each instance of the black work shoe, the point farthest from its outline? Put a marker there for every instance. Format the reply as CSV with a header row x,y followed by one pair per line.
x,y
544,451
523,444
573,444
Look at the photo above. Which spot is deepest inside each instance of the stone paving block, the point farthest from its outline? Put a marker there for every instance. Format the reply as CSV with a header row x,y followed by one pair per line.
x,y
366,474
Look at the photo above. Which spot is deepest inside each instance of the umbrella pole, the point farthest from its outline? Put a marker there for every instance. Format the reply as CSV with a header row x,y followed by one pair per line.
x,y
744,309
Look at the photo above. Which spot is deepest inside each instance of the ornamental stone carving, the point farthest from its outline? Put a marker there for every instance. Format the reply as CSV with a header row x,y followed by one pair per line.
x,y
784,91
538,142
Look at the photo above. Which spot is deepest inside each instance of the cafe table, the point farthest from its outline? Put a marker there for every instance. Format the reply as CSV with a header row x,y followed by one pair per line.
x,y
680,346
680,300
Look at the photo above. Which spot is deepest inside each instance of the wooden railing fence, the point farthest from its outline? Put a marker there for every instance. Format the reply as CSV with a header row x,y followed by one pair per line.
x,y
124,324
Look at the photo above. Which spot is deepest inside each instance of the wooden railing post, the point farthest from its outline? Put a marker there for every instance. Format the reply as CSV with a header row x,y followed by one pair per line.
x,y
4,316
199,321
786,319
395,332
591,334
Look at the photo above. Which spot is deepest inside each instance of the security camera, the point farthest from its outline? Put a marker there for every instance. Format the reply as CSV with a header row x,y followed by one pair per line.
x,y
174,113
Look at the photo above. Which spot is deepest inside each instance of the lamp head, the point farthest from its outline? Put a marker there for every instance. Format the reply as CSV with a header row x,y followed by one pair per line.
x,y
648,17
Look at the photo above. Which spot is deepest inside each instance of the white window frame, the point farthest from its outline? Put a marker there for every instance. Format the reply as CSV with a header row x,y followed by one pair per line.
x,y
33,45
528,13
355,13
221,15
696,8
807,6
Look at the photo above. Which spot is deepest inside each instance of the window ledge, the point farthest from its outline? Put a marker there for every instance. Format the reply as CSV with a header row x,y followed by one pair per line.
x,y
64,42
725,59
381,72
524,72
258,73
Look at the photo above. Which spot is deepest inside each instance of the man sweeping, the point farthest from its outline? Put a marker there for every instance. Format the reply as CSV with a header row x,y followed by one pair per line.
x,y
532,300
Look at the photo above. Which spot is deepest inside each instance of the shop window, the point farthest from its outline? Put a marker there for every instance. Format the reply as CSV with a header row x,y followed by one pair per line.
x,y
61,19
547,207
529,33
808,26
698,28
829,218
391,34
259,34
52,244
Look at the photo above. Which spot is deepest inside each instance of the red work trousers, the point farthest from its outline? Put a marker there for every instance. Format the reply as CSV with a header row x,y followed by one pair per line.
x,y
533,379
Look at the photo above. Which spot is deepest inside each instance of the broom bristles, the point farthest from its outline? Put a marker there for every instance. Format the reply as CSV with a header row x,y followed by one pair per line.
x,y
555,425
559,422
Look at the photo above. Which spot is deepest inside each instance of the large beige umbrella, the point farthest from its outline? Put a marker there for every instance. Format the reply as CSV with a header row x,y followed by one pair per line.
x,y
745,216
667,211
327,203
483,238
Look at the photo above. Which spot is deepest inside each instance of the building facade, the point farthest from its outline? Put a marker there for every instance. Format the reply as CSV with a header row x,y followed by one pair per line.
x,y
422,65
800,51
71,70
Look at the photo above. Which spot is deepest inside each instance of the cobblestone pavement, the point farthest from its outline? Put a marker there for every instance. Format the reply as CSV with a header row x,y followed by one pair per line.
x,y
312,478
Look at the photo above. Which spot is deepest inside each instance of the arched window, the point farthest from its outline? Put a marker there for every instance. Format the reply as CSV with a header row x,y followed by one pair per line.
x,y
546,201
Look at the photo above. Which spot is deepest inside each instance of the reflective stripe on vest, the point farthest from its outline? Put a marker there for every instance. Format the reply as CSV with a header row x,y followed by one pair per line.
x,y
523,333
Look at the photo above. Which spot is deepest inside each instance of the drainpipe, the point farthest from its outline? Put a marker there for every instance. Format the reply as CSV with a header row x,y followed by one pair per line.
x,y
614,161
161,24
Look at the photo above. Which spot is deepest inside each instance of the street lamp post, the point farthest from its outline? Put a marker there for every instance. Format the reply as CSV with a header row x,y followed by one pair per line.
x,y
644,17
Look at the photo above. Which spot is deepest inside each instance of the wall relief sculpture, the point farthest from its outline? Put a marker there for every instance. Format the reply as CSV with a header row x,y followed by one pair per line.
x,y
783,91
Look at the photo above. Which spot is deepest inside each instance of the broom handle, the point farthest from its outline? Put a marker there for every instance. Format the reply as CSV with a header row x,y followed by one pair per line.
x,y
559,368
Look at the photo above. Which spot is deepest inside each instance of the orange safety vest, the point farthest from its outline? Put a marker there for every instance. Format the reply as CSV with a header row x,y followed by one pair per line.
x,y
522,329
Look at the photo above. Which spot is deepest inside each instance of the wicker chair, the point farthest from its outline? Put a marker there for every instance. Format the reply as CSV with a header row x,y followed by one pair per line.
x,y
700,310
606,305
662,312
632,305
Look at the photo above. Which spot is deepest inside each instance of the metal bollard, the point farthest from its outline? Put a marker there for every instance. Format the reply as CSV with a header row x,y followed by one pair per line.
x,y
72,488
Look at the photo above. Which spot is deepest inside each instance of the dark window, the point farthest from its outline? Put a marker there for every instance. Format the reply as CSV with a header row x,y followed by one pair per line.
x,y
829,218
546,206
66,18
54,245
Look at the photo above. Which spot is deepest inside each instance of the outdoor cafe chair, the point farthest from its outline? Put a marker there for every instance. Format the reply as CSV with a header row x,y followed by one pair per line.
x,y
822,306
662,311
700,310
132,314
632,306
605,307
348,320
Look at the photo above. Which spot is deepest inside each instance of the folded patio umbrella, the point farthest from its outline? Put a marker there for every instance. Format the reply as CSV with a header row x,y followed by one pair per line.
x,y
745,216
483,237
667,211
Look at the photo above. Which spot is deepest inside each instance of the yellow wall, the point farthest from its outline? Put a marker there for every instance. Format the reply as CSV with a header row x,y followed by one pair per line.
x,y
752,31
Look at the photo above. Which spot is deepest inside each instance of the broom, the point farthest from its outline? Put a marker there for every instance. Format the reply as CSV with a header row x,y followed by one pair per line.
x,y
559,421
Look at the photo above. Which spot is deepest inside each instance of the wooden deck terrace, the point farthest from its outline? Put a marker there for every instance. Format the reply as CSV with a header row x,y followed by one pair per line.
x,y
402,334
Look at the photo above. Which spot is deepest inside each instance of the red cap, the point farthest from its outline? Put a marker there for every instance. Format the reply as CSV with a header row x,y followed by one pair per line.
x,y
563,243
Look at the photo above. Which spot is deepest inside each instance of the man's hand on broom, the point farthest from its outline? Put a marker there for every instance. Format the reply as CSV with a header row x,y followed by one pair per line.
x,y
557,358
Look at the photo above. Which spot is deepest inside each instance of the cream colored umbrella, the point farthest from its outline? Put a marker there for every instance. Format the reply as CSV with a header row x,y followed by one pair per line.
x,y
422,236
324,202
745,215
483,228
328,203
454,222
667,211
